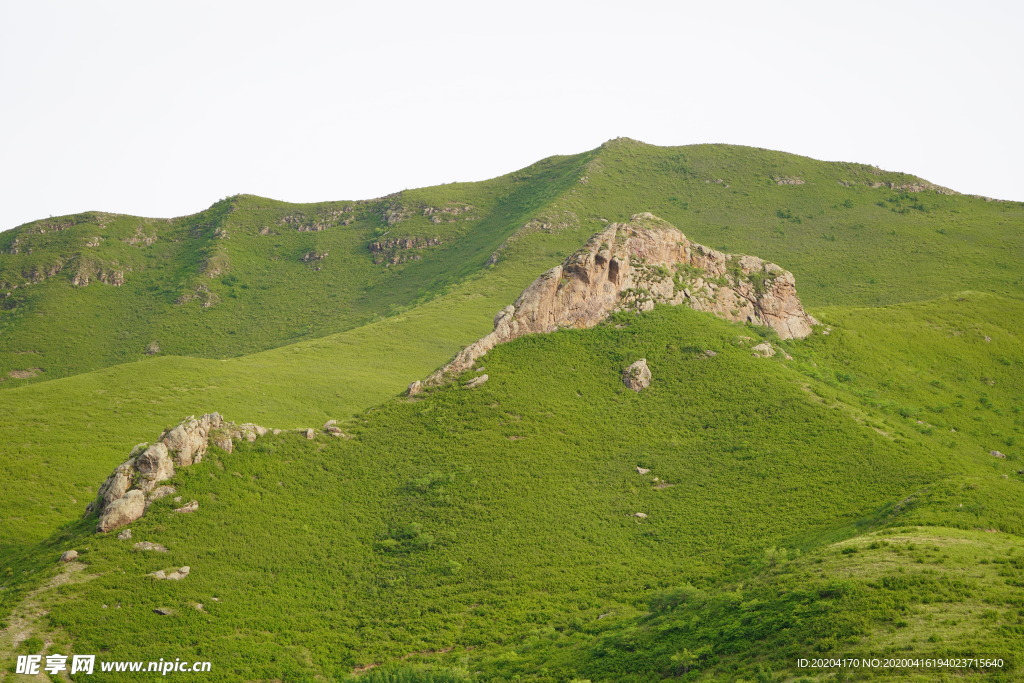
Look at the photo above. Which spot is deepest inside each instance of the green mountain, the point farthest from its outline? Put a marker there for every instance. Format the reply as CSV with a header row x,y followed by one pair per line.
x,y
858,494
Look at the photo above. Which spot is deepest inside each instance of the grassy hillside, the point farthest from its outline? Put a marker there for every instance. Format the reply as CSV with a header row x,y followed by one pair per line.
x,y
84,292
479,518
250,274
835,502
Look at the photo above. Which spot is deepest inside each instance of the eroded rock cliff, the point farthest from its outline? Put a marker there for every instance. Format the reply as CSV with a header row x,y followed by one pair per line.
x,y
633,266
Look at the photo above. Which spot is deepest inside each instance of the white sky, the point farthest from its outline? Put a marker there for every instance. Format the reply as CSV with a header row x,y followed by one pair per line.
x,y
162,108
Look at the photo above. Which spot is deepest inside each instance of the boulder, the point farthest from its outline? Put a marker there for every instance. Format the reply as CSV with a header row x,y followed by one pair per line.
x,y
764,350
153,465
187,441
640,515
310,434
642,470
125,535
637,376
69,555
221,438
124,510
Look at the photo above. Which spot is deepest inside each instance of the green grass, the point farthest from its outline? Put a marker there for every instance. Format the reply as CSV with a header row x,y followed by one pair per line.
x,y
477,518
488,533
262,294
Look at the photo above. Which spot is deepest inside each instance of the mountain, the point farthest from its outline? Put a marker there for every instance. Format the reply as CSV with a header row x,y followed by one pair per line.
x,y
843,497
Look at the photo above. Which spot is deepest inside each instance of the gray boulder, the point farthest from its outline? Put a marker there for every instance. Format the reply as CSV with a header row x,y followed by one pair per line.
x,y
637,376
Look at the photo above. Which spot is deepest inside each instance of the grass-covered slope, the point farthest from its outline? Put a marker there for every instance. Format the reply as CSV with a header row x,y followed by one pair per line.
x,y
250,274
83,292
852,234
472,519
61,437
498,521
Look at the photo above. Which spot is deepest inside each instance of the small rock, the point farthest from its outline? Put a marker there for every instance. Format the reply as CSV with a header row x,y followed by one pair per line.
x,y
310,434
476,381
710,354
640,515
330,423
787,356
177,499
69,555
179,574
197,606
334,431
191,506
642,470
125,535
276,432
160,492
997,454
148,545
637,376
414,388
764,350
988,338
163,611
158,574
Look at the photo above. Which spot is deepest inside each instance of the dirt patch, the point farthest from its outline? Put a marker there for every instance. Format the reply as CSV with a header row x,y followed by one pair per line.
x,y
25,619
24,374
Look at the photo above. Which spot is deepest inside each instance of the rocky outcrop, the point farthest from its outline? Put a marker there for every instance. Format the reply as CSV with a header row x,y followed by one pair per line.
x,y
633,266
395,250
637,376
123,497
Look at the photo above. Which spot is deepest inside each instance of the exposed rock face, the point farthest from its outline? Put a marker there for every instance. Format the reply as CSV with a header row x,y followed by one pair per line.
x,y
123,497
637,376
633,266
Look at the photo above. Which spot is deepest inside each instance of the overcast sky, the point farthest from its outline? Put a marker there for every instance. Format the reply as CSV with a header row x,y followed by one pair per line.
x,y
162,108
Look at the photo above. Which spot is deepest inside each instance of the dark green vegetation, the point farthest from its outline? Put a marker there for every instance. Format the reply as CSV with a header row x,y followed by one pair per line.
x,y
844,503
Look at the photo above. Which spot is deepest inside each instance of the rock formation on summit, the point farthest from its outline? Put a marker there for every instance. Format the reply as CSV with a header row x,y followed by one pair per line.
x,y
126,493
633,266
